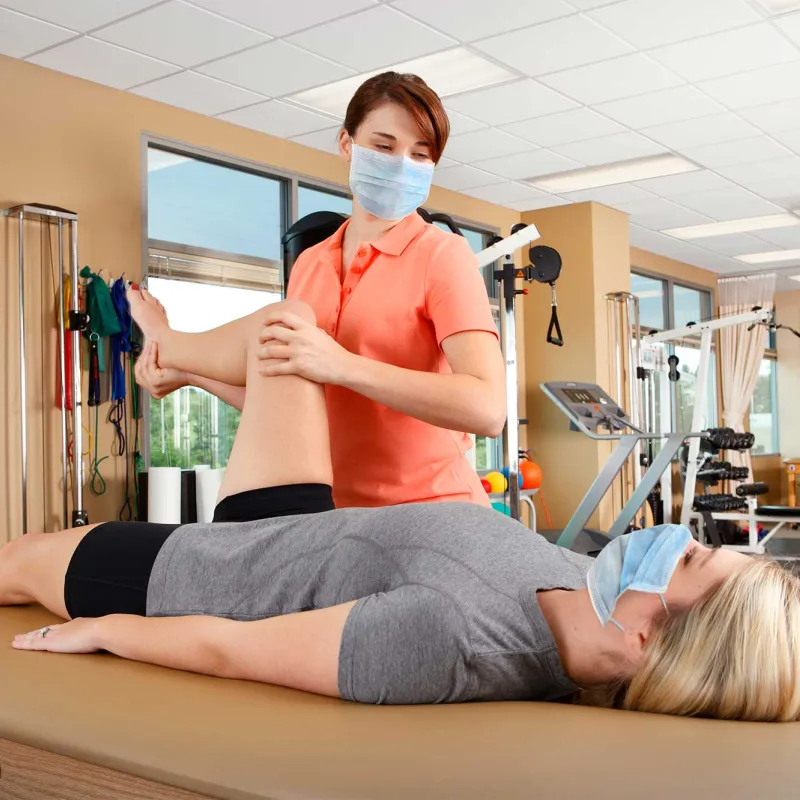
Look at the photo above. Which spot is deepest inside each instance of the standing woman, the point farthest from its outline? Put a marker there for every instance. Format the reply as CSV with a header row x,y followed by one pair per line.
x,y
404,340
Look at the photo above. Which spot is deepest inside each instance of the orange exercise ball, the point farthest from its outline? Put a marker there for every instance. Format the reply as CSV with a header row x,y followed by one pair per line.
x,y
531,474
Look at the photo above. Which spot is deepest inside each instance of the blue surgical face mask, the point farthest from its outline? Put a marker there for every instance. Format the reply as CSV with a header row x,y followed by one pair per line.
x,y
390,187
642,561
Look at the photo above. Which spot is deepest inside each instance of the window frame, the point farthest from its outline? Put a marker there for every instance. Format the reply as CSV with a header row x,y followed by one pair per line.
x,y
707,311
291,180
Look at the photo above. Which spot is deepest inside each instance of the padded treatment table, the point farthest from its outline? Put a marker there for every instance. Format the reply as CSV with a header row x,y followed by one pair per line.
x,y
135,731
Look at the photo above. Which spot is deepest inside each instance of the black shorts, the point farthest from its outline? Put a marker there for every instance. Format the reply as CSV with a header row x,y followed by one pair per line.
x,y
110,568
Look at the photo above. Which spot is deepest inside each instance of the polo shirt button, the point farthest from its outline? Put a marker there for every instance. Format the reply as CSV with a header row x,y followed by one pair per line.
x,y
348,290
362,252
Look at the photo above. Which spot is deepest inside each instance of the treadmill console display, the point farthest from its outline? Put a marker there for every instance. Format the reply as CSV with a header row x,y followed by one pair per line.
x,y
581,396
587,405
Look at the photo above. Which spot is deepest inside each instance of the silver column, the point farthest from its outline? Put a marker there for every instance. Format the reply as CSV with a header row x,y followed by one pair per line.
x,y
23,374
62,365
511,437
79,512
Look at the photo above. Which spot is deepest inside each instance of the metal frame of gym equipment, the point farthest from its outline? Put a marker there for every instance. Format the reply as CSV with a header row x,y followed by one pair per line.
x,y
706,330
604,412
507,276
48,215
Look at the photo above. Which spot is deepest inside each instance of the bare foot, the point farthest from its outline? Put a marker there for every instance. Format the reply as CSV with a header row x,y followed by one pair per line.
x,y
148,314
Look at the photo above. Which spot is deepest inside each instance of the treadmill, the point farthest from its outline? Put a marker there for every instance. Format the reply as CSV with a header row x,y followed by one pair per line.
x,y
594,413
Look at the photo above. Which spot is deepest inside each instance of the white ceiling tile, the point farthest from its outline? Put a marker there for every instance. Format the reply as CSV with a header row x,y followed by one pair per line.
x,y
727,53
275,69
488,143
758,172
723,127
278,119
371,39
446,162
775,117
204,36
510,102
528,165
756,88
666,245
197,93
462,124
686,183
280,19
468,20
730,203
463,177
611,80
575,125
651,23
507,192
790,138
553,46
608,149
660,108
785,192
659,214
788,238
21,35
612,196
80,16
742,151
536,203
732,244
326,140
585,5
790,25
103,63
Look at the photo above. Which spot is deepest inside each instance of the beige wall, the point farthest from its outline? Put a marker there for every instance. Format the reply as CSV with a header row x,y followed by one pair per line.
x,y
787,305
593,243
668,267
75,144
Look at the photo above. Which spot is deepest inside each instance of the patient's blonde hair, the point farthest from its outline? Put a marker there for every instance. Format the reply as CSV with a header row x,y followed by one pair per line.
x,y
735,655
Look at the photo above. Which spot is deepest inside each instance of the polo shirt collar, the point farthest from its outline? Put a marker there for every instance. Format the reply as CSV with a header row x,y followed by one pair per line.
x,y
394,241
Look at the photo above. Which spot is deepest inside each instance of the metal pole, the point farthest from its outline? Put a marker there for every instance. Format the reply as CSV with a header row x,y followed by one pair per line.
x,y
23,374
62,363
79,515
512,405
698,424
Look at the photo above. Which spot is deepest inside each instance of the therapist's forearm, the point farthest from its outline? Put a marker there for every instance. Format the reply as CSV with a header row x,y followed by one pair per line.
x,y
457,402
232,395
195,644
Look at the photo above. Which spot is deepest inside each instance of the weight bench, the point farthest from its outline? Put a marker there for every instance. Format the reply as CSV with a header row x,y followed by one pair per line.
x,y
97,727
777,516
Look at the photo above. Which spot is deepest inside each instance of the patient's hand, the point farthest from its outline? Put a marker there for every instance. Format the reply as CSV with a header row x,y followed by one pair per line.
x,y
78,636
157,380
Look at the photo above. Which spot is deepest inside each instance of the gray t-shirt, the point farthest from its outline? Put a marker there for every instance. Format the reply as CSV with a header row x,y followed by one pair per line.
x,y
447,609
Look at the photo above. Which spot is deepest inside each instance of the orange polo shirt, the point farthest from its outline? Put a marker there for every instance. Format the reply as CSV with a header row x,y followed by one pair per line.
x,y
401,297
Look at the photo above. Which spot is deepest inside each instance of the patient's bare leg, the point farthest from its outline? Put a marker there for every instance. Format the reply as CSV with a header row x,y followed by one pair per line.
x,y
32,568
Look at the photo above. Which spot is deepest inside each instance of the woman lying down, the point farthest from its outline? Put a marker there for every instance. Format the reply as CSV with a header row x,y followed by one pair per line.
x,y
425,603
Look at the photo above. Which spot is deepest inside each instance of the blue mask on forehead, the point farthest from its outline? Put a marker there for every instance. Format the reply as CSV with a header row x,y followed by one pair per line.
x,y
388,186
642,561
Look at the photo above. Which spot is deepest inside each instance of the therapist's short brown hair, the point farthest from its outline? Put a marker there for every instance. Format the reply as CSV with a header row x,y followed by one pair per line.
x,y
410,92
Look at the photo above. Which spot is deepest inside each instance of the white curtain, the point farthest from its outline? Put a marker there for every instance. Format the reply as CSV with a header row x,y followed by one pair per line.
x,y
741,350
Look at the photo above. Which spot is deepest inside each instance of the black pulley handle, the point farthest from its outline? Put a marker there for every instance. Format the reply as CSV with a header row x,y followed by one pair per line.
x,y
546,268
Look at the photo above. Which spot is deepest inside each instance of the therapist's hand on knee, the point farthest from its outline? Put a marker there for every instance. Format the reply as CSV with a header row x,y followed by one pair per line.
x,y
291,345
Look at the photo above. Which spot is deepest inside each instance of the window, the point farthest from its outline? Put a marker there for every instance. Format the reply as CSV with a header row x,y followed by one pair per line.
x,y
689,305
214,255
310,200
651,294
686,387
763,415
212,207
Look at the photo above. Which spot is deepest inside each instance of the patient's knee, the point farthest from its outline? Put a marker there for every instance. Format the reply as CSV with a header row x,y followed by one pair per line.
x,y
297,307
